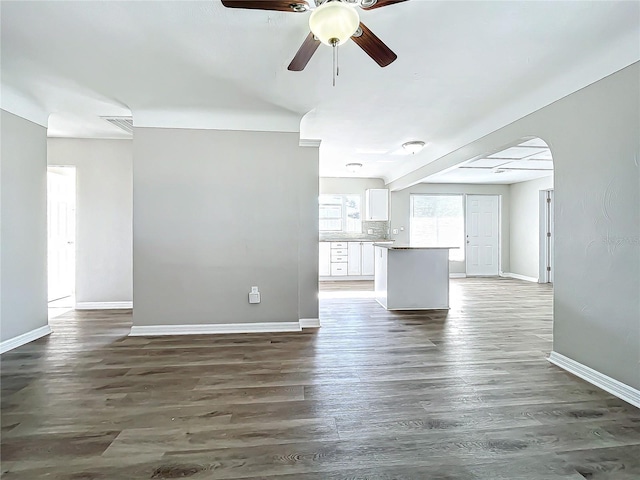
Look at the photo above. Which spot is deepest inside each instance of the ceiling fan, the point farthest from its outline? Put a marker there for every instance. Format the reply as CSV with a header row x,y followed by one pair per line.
x,y
332,22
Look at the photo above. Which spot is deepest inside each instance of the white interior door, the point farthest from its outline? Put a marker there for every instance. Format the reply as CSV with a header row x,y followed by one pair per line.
x,y
482,234
61,231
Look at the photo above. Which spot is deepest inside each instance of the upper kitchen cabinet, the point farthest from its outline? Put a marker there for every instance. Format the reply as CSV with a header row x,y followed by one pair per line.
x,y
377,204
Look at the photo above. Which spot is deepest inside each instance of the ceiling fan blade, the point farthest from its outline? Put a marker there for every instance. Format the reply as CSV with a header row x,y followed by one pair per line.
x,y
382,3
306,51
279,5
374,47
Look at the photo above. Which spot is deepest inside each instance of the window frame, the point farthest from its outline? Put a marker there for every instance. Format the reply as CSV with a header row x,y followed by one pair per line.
x,y
459,254
344,217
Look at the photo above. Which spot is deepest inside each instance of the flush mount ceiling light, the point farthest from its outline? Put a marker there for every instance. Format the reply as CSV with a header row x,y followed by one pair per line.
x,y
353,167
413,147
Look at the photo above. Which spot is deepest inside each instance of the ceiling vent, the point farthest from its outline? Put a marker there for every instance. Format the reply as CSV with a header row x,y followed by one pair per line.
x,y
123,123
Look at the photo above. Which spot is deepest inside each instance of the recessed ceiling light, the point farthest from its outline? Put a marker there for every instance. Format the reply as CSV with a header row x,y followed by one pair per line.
x,y
353,167
414,146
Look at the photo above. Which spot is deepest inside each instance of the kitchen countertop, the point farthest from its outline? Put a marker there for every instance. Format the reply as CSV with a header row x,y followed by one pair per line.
x,y
409,247
357,240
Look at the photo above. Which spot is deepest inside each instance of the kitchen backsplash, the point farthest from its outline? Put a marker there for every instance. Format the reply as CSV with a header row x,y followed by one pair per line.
x,y
380,231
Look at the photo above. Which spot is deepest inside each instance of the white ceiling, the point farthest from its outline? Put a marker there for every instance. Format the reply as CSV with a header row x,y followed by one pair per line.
x,y
464,69
527,161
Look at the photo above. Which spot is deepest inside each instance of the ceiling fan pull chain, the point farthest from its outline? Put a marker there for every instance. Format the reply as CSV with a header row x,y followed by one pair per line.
x,y
335,46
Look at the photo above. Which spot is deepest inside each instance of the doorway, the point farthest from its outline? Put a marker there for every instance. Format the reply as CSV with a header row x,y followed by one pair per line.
x,y
61,236
482,235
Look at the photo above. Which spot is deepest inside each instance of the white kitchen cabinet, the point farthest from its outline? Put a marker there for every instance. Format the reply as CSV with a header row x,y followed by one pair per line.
x,y
368,259
324,269
377,204
346,259
355,256
338,269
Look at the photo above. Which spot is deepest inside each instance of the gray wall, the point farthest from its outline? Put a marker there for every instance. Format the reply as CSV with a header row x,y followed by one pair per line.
x,y
216,212
525,226
104,215
400,214
23,239
594,135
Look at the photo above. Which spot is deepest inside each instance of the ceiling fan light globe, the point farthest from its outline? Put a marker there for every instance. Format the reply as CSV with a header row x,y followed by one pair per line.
x,y
333,21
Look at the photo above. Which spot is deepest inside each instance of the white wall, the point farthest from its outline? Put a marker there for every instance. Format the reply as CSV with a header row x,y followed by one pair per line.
x,y
104,215
400,214
216,212
23,238
525,226
335,185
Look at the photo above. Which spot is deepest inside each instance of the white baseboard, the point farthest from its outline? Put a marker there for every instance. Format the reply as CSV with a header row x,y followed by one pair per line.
x,y
25,338
517,276
103,305
457,275
309,323
600,380
210,329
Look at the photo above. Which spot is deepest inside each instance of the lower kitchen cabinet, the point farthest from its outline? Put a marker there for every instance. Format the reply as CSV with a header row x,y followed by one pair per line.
x,y
368,259
346,259
324,265
355,258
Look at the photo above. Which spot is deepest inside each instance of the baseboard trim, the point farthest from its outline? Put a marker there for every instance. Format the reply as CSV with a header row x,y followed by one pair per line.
x,y
25,338
600,380
103,305
309,323
457,275
211,329
517,276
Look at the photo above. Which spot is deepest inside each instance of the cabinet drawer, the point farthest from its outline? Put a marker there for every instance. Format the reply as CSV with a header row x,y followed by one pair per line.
x,y
339,259
338,244
338,269
342,252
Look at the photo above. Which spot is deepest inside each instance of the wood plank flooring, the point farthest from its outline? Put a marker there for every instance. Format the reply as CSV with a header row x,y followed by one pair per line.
x,y
463,394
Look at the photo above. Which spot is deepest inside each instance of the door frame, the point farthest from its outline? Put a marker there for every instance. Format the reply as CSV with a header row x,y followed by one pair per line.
x,y
56,169
546,236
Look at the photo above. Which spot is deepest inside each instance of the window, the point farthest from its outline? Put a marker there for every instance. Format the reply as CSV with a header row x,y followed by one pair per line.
x,y
340,213
438,221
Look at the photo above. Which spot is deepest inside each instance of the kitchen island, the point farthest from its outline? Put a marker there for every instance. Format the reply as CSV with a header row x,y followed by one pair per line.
x,y
411,278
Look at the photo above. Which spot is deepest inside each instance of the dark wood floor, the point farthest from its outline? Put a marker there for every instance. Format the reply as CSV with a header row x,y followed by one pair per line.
x,y
464,394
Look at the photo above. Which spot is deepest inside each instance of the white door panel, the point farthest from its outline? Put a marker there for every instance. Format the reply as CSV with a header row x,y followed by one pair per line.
x,y
367,258
482,234
324,266
354,258
61,234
